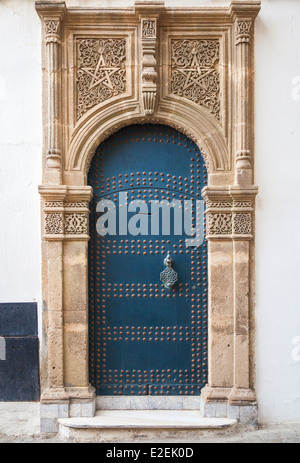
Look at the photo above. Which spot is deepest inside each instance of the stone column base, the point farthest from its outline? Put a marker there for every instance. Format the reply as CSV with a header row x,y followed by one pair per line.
x,y
50,412
73,402
246,413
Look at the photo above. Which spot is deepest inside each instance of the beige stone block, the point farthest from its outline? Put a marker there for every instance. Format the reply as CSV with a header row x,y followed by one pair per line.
x,y
76,316
75,276
220,367
55,319
220,278
54,250
76,355
55,357
242,325
221,325
242,361
55,284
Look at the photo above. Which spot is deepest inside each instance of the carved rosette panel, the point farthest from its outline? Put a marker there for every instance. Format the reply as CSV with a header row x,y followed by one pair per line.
x,y
54,223
229,217
66,218
195,72
242,223
76,224
219,223
101,72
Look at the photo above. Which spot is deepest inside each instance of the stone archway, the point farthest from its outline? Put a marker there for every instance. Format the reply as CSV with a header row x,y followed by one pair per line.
x,y
197,78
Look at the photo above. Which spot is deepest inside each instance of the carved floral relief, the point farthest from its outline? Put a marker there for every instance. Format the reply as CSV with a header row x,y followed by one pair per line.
x,y
219,224
54,223
194,72
76,224
101,72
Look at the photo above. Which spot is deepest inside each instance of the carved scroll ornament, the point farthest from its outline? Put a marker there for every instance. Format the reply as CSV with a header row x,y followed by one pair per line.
x,y
195,74
227,217
70,218
101,72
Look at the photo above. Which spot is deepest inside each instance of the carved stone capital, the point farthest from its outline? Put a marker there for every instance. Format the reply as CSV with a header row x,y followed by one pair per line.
x,y
52,15
229,212
241,223
66,212
52,30
243,30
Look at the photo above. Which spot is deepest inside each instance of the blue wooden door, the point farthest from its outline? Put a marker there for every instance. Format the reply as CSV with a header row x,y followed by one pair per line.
x,y
144,338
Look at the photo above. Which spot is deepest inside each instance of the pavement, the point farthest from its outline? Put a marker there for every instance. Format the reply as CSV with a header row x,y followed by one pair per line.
x,y
20,423
287,433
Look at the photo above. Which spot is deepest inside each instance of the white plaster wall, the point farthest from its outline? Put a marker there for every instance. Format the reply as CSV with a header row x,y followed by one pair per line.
x,y
20,175
277,168
20,151
278,218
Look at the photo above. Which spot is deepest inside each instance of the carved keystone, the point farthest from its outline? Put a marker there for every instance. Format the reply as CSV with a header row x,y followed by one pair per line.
x,y
149,13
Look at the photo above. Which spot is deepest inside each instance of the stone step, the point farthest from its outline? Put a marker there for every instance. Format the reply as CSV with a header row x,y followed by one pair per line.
x,y
121,425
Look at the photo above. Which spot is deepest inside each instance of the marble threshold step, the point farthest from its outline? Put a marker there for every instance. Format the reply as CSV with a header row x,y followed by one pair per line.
x,y
114,425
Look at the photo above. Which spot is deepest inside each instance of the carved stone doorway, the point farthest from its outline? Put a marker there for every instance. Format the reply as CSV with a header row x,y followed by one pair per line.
x,y
104,69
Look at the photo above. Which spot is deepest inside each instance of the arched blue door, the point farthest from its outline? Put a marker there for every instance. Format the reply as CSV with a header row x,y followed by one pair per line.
x,y
146,339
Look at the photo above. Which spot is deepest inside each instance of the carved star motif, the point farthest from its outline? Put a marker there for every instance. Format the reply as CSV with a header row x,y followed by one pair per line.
x,y
194,72
195,69
102,73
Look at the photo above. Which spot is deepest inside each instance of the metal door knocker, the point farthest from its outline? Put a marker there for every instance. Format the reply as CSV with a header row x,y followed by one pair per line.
x,y
168,276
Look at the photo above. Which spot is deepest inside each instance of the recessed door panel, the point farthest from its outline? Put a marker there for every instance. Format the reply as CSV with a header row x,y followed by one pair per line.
x,y
146,338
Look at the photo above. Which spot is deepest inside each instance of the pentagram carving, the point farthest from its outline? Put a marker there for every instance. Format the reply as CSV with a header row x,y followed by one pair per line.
x,y
195,73
101,71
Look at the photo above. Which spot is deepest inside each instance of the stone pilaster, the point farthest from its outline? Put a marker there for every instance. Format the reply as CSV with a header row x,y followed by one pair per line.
x,y
67,391
229,214
243,166
243,233
52,21
53,231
